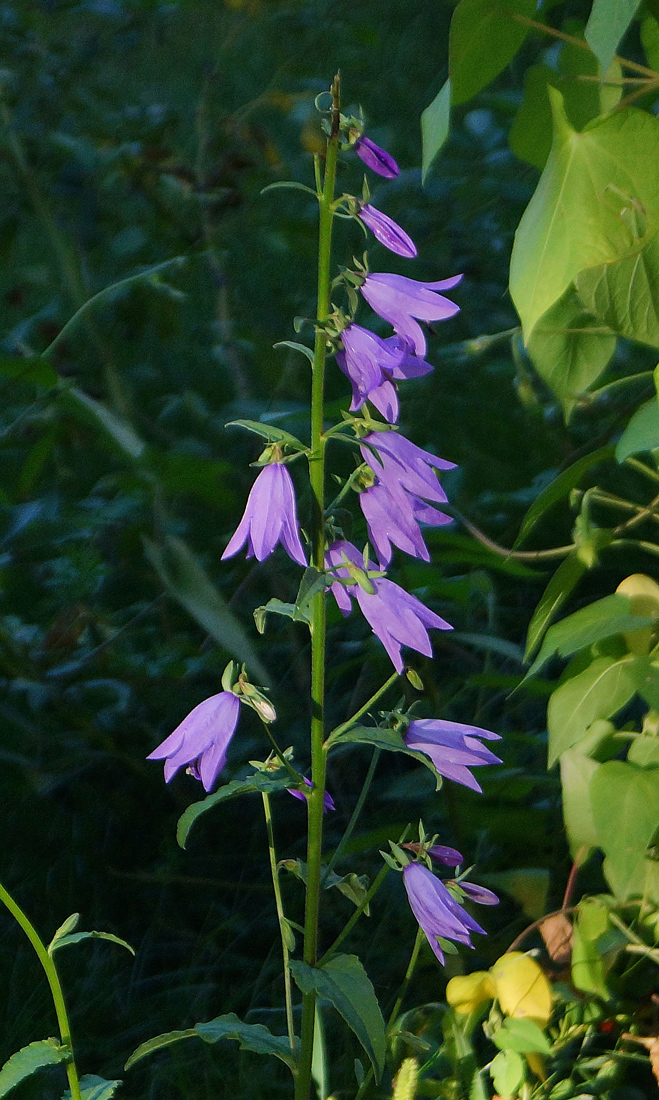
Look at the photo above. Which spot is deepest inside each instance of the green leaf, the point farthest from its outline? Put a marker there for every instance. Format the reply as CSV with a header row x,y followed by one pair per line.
x,y
258,782
269,432
67,926
95,1088
588,967
642,432
650,41
483,39
435,124
646,678
625,294
530,135
570,349
601,619
254,1037
608,21
560,487
597,201
292,185
387,739
186,580
600,691
45,1052
507,1073
345,984
293,343
77,937
563,582
625,835
114,428
29,368
313,582
577,771
276,607
644,751
521,1035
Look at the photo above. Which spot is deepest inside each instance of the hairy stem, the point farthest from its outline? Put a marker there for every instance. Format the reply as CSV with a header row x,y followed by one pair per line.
x,y
55,988
318,604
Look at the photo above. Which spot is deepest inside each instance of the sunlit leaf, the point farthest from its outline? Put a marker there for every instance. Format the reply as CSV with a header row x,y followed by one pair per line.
x,y
435,123
600,691
607,23
45,1052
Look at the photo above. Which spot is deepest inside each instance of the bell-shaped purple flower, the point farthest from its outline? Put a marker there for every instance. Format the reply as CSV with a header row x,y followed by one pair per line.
x,y
397,461
400,301
379,160
395,616
390,517
436,910
202,739
364,359
270,517
480,894
450,857
328,801
388,232
453,747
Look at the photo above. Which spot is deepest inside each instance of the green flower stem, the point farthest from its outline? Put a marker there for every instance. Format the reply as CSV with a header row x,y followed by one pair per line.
x,y
377,883
281,917
55,987
366,786
318,604
336,733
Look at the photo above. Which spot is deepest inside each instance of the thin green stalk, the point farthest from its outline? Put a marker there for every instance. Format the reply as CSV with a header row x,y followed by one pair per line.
x,y
318,604
366,786
55,988
641,468
336,733
283,925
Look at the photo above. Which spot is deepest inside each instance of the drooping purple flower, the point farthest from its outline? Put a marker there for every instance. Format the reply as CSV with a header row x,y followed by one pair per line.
x,y
396,617
385,399
399,461
328,801
409,364
480,894
453,747
379,160
450,857
436,910
388,232
390,518
201,740
270,517
364,359
400,301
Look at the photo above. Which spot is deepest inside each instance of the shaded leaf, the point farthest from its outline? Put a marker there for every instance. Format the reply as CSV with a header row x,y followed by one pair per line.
x,y
29,368
560,487
435,123
186,580
507,1073
387,739
607,23
77,937
588,967
258,782
483,39
641,433
269,432
293,343
254,1037
114,428
528,885
563,582
345,984
523,1036
45,1052
95,1088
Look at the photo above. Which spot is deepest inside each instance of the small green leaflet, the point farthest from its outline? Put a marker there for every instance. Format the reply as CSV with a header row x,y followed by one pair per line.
x,y
258,782
269,432
345,984
45,1052
600,691
563,582
295,346
625,835
253,1037
77,937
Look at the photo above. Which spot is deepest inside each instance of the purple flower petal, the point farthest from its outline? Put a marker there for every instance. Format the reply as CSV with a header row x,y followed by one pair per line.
x,y
202,739
400,301
364,359
479,894
388,232
328,801
270,517
390,519
451,857
436,910
379,160
453,747
385,399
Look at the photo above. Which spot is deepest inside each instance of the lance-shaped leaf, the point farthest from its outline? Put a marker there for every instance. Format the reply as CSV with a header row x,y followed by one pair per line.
x,y
186,580
559,488
642,432
435,124
563,582
345,984
269,432
484,38
45,1052
258,782
94,1088
254,1037
78,937
597,201
387,739
115,429
607,23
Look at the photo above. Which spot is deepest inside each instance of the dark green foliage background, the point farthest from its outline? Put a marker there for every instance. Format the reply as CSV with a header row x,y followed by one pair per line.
x,y
136,131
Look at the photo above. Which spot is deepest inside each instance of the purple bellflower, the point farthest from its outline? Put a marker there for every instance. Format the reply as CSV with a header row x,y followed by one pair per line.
x,y
450,857
400,301
453,747
270,517
436,910
328,801
388,232
477,893
395,616
379,160
395,459
373,365
201,740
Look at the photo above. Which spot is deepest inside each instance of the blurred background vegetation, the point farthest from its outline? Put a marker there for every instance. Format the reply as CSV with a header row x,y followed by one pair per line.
x,y
135,132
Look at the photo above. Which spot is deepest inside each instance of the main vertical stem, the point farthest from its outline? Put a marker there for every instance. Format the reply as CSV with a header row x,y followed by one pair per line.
x,y
318,627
